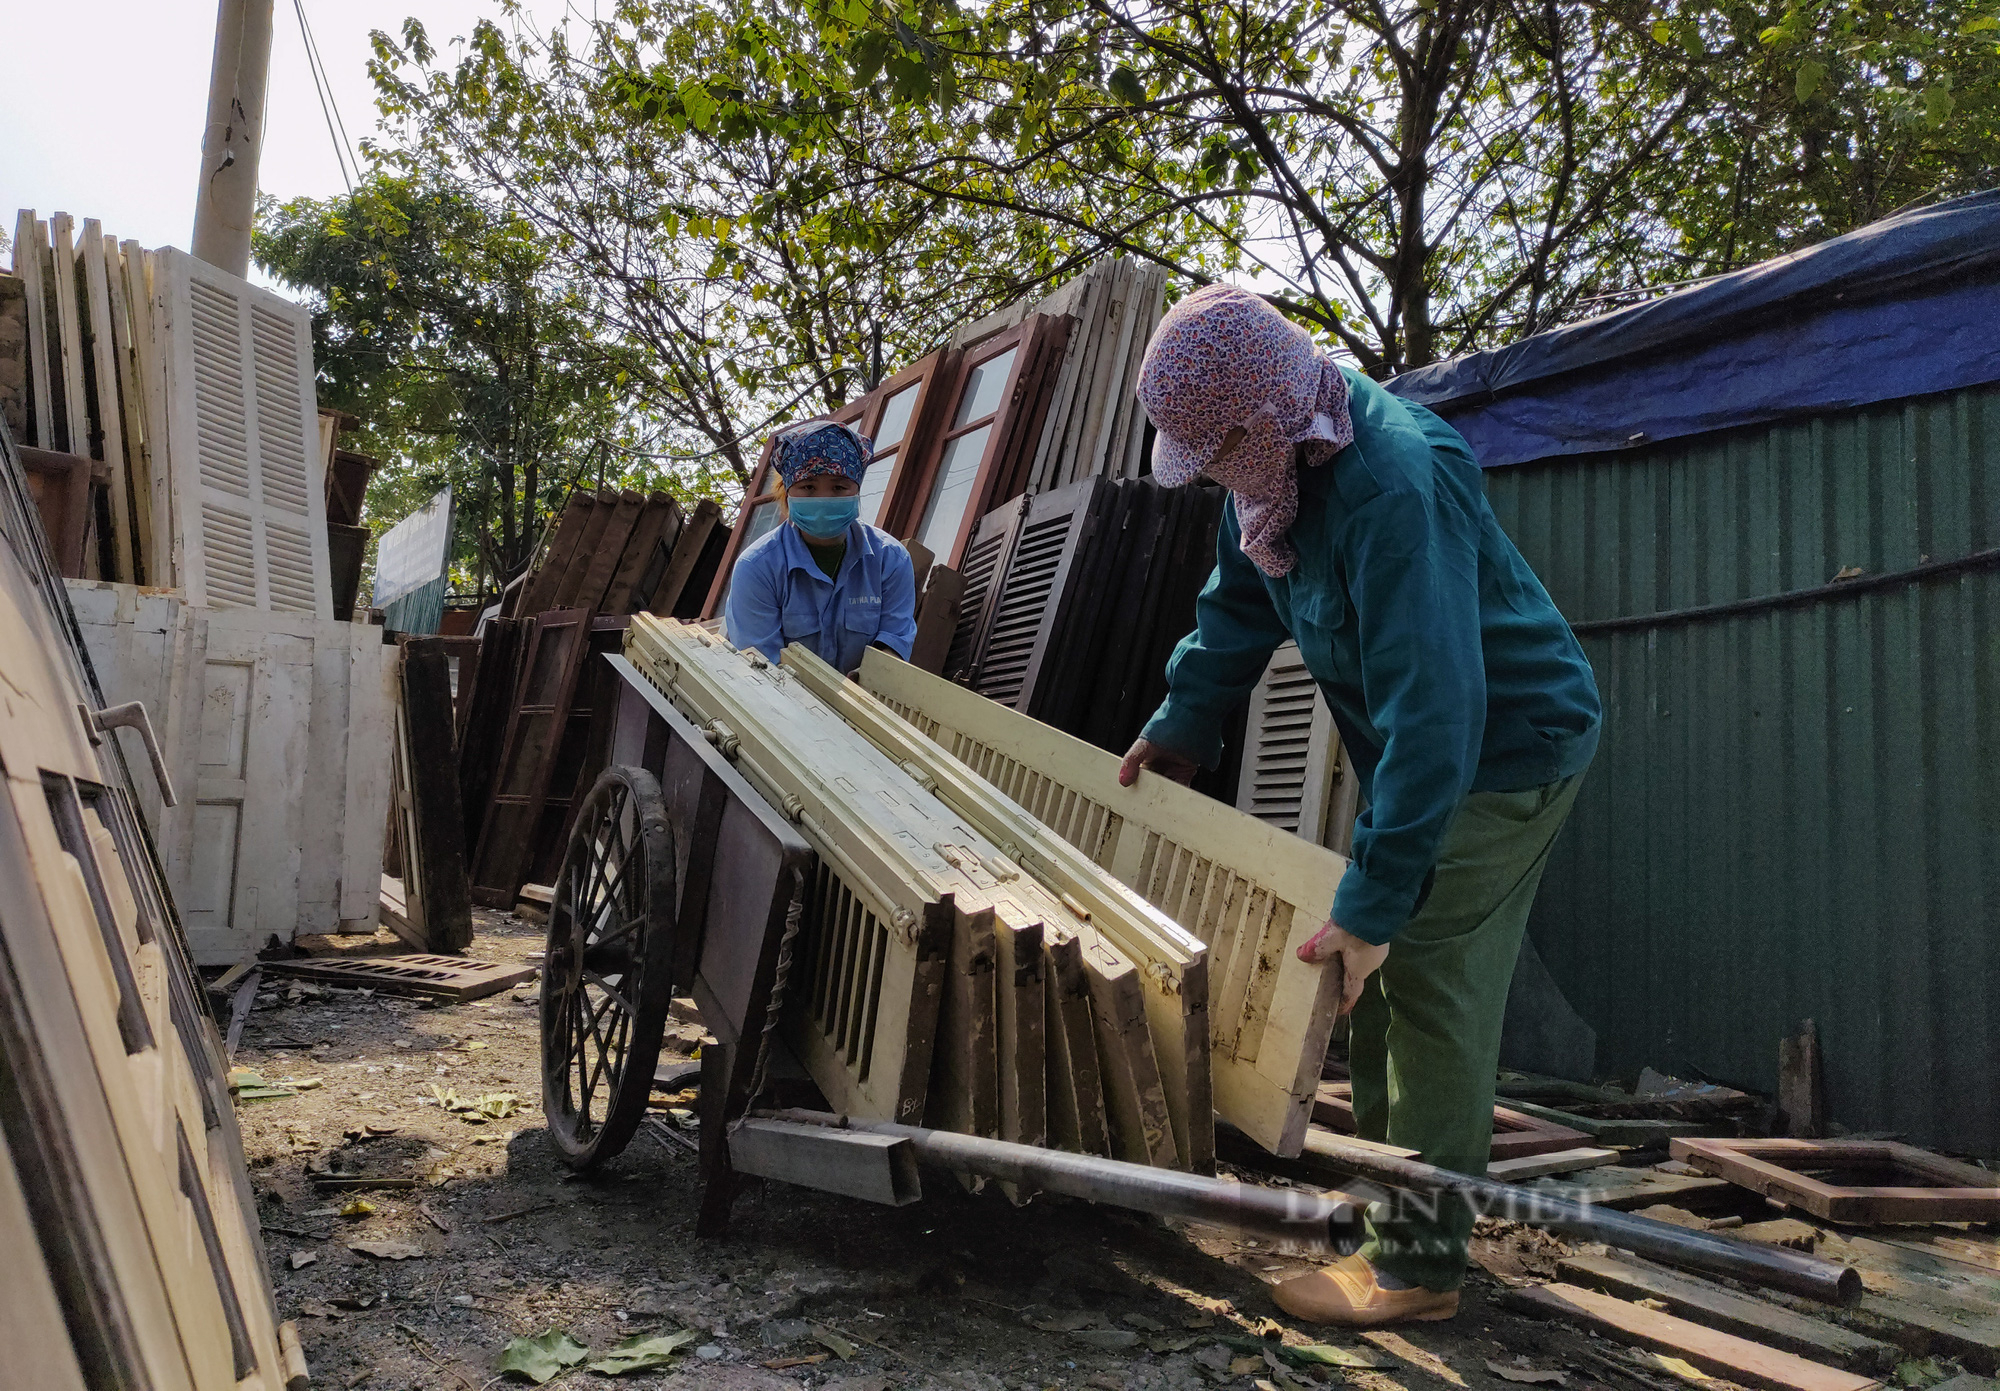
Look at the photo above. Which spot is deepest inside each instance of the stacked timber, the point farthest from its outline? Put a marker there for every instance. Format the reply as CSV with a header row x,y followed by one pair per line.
x,y
530,742
185,395
1033,399
1249,892
943,981
618,553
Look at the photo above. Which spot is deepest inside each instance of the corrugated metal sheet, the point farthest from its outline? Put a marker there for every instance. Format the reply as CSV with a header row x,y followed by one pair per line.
x,y
1794,813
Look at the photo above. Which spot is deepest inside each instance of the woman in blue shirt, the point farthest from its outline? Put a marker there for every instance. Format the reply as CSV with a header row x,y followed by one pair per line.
x,y
825,579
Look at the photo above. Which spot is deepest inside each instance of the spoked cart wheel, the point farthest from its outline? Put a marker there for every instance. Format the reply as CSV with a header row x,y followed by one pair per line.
x,y
607,977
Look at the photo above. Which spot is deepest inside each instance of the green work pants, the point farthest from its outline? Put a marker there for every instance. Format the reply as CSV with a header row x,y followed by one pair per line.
x,y
1425,1037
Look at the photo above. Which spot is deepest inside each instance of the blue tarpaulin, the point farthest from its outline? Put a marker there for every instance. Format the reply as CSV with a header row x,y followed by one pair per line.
x,y
1903,307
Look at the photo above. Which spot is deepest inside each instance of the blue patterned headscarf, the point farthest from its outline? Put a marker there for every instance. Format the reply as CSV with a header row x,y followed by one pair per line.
x,y
821,447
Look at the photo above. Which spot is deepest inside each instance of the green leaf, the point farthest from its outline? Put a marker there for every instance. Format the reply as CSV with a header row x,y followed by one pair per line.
x,y
1125,85
867,56
1663,34
538,1359
642,1353
827,1338
1938,103
698,103
1811,74
1979,25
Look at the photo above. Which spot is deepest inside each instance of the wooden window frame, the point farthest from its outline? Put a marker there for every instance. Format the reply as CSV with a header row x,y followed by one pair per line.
x,y
905,511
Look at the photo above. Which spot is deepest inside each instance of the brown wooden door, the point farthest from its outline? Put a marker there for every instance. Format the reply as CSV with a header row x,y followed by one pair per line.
x,y
555,653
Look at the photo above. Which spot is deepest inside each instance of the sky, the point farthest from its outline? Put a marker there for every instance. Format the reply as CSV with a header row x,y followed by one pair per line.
x,y
104,118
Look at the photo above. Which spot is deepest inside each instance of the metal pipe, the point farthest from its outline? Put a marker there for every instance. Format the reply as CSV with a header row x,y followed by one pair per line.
x,y
1327,1159
1312,1221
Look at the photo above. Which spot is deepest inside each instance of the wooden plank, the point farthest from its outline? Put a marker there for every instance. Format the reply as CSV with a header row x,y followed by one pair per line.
x,y
1075,1087
454,978
1721,1354
1515,1136
689,549
1173,963
965,1078
106,415
1250,892
571,583
609,550
1019,1035
1557,1162
1801,1084
1703,1302
1135,1103
647,553
30,240
488,704
875,1168
1634,1133
69,345
433,823
1612,1186
937,618
1771,1167
131,393
555,652
353,786
151,381
540,593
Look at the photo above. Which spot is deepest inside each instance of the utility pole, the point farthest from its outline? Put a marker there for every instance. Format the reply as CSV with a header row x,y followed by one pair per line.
x,y
226,201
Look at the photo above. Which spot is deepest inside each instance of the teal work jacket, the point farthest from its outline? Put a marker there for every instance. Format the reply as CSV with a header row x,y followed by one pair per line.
x,y
1446,665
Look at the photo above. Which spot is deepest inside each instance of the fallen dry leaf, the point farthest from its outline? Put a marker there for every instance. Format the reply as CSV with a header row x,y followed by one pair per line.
x,y
387,1250
1526,1376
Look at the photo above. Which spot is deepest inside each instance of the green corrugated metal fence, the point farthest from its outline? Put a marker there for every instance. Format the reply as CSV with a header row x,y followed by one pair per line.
x,y
1795,812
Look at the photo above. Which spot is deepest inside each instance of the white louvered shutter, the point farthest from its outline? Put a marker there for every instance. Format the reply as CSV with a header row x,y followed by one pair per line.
x,y
1291,753
243,429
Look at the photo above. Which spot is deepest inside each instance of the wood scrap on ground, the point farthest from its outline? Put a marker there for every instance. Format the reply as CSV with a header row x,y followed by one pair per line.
x,y
1720,1354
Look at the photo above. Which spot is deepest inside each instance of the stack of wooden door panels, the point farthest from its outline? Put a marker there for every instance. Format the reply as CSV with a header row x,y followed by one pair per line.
x,y
188,395
1075,599
133,1252
941,981
529,743
1033,398
1251,893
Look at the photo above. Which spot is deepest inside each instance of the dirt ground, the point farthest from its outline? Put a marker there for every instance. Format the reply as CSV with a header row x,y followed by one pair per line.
x,y
959,1291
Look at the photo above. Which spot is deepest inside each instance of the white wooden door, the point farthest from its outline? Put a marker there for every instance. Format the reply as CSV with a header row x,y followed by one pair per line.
x,y
242,877
243,428
1291,751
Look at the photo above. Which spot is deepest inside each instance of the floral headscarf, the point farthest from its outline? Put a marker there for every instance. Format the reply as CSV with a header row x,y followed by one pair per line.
x,y
821,447
1223,358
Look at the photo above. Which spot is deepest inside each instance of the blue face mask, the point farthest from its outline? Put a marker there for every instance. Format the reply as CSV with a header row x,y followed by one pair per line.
x,y
824,518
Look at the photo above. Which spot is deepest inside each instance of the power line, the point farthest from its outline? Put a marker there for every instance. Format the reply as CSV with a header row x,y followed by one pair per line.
x,y
343,148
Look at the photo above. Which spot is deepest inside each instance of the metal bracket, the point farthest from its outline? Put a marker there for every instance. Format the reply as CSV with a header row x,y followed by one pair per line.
x,y
132,715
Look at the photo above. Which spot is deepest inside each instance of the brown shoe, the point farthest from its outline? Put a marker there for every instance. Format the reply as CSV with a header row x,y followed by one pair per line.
x,y
1348,1293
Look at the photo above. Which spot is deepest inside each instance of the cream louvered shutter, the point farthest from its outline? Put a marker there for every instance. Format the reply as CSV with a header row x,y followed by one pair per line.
x,y
243,430
1291,751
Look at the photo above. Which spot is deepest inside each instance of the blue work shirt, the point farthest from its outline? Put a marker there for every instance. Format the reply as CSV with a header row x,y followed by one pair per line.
x,y
1446,665
778,594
